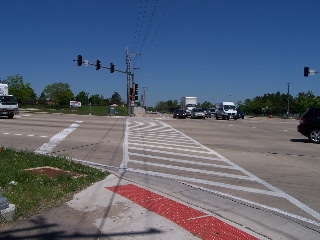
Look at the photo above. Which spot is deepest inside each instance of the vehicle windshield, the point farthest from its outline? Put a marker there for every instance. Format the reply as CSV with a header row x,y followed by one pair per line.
x,y
229,107
8,99
191,105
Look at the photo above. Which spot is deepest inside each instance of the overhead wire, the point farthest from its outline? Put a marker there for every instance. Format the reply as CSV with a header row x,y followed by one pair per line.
x,y
149,26
140,22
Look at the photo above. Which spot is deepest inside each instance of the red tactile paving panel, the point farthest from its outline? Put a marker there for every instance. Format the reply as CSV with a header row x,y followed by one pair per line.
x,y
172,210
204,226
134,193
211,228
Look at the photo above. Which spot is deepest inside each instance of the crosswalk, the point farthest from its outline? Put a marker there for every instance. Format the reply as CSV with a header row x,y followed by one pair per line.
x,y
153,147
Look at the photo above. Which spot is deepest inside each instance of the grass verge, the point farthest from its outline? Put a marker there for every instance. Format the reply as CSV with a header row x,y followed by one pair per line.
x,y
84,110
34,193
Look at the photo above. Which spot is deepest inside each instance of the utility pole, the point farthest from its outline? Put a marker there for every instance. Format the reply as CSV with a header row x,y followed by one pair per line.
x,y
288,111
144,96
130,81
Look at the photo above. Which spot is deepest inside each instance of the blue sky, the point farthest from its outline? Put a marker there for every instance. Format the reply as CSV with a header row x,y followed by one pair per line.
x,y
215,50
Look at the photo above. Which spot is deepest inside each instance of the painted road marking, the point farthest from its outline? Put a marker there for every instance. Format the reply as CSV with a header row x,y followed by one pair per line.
x,y
142,146
197,222
56,139
19,134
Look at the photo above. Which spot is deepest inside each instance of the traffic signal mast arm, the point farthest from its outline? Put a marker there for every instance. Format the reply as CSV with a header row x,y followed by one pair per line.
x,y
98,65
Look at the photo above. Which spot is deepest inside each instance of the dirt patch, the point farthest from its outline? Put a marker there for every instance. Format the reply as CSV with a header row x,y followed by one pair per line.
x,y
52,172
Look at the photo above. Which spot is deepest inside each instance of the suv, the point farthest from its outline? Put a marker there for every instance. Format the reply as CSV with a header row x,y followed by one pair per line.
x,y
310,125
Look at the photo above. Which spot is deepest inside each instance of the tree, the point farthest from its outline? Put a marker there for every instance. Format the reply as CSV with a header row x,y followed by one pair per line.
x,y
83,98
97,99
206,104
116,99
60,93
21,90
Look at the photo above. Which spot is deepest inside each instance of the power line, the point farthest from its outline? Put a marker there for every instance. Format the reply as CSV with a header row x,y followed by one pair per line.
x,y
149,26
160,23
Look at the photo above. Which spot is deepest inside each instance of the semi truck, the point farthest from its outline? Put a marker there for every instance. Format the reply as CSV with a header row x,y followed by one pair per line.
x,y
188,103
8,103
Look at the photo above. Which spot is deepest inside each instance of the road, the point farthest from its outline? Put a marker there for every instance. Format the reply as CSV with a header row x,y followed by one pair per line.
x,y
257,162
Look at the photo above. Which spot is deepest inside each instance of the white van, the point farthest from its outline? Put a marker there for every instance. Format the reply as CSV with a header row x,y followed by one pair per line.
x,y
226,110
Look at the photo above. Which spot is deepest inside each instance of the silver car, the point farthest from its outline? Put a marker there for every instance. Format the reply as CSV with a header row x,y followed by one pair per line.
x,y
198,113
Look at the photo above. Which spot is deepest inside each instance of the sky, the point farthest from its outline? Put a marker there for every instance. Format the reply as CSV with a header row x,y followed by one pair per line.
x,y
216,50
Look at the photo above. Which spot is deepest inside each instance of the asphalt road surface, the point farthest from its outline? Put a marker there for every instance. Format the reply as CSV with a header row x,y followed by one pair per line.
x,y
259,162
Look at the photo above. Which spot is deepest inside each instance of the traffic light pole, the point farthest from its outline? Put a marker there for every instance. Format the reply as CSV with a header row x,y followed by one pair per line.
x,y
130,76
130,83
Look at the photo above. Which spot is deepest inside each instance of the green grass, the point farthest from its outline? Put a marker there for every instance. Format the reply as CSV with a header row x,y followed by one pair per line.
x,y
84,110
35,193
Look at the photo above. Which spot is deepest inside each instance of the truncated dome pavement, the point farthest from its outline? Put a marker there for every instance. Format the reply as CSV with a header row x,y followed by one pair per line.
x,y
199,223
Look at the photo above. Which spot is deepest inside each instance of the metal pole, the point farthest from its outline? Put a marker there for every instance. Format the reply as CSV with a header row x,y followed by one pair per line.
x,y
128,82
288,112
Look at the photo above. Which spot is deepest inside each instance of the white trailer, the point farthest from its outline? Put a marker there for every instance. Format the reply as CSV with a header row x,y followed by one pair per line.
x,y
8,103
188,103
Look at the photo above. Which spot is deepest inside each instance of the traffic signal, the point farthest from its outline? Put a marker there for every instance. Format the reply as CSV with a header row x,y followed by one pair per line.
x,y
131,94
135,89
306,71
79,61
111,67
98,65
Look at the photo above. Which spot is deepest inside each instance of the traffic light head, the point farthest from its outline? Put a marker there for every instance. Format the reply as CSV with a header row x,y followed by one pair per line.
x,y
306,71
112,67
98,65
79,61
135,89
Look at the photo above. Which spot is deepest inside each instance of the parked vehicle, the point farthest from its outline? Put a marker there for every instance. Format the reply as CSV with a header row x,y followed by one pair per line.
x,y
212,112
207,112
226,110
240,114
198,113
188,103
309,125
179,113
8,103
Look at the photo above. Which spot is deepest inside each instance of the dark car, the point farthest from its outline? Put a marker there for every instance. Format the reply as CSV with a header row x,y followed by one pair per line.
x,y
212,112
207,112
179,113
240,114
309,125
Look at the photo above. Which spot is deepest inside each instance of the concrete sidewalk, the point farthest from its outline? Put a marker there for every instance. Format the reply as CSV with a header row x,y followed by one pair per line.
x,y
105,211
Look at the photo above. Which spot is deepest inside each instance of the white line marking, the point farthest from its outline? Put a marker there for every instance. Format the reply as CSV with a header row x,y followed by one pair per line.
x,y
182,161
56,139
194,170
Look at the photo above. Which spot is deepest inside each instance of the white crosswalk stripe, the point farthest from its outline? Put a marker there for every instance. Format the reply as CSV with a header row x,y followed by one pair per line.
x,y
153,147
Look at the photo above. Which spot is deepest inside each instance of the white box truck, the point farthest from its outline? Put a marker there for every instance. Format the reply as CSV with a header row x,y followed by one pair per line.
x,y
8,103
226,110
188,103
